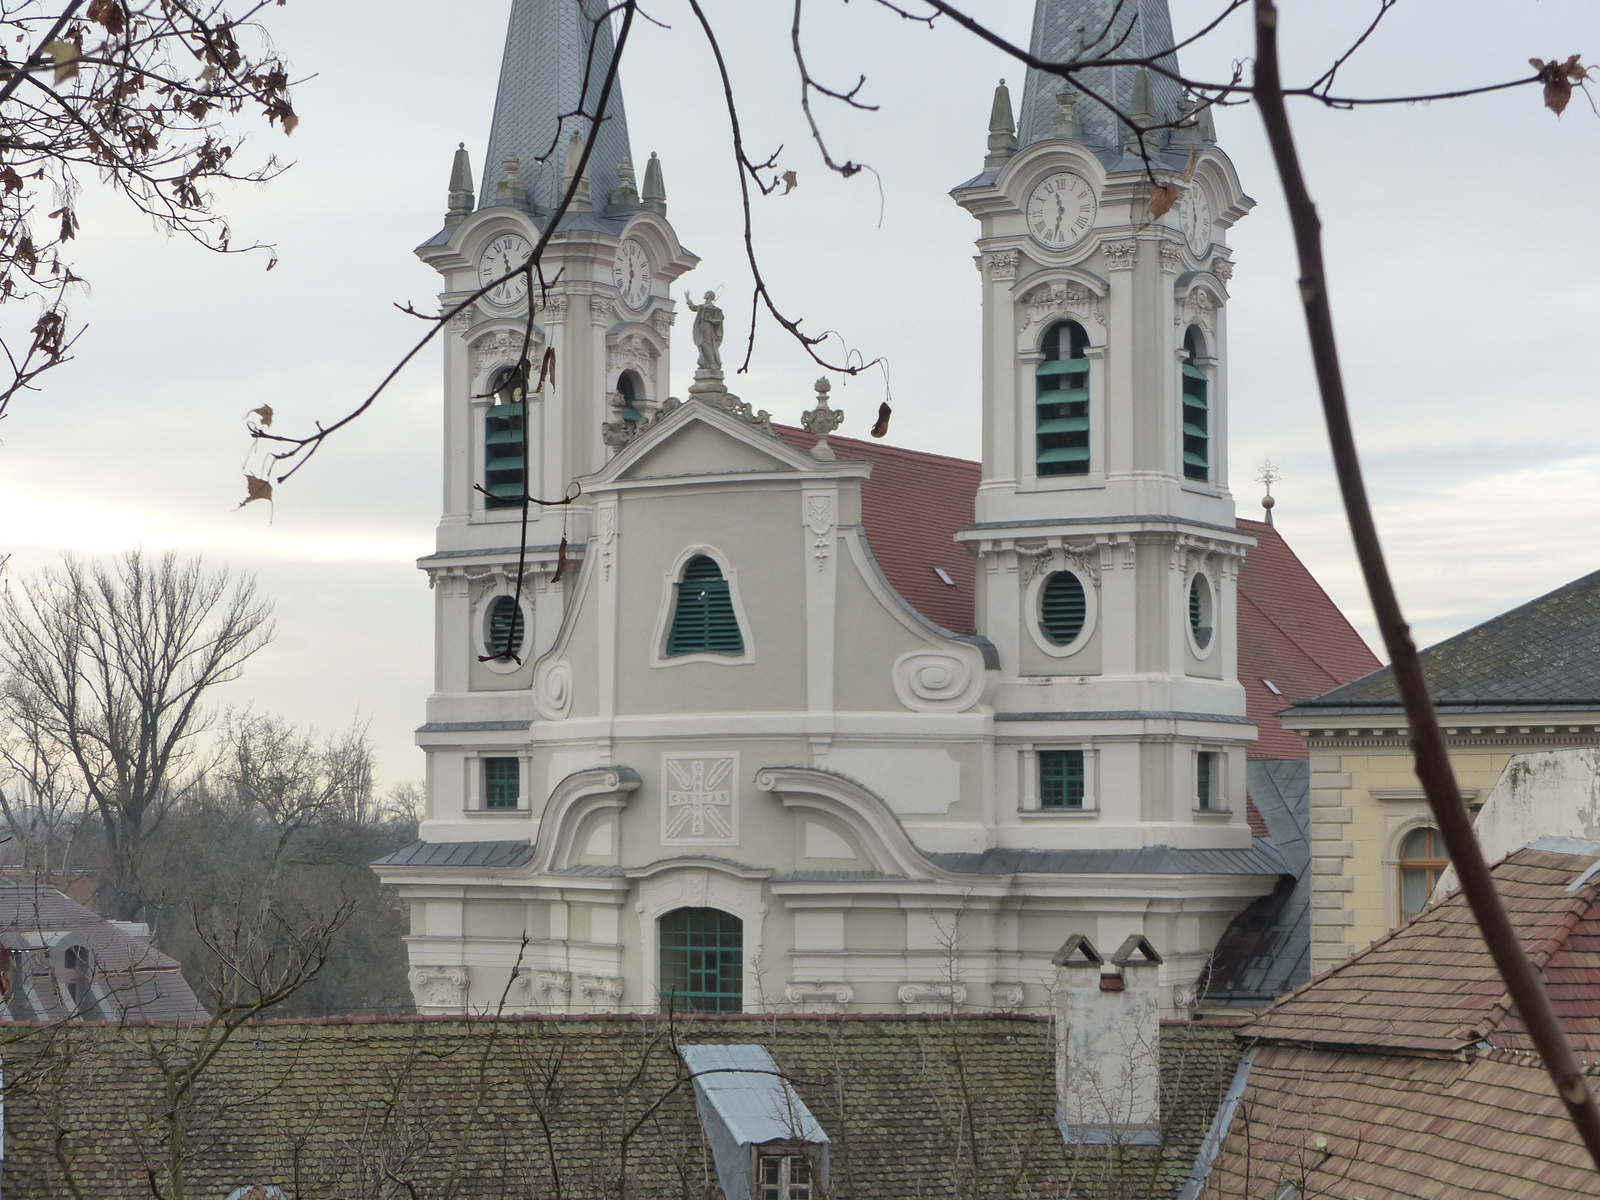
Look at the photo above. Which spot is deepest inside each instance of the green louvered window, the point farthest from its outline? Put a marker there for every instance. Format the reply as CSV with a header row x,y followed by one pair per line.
x,y
1200,610
1196,414
1061,402
1061,779
1062,606
501,788
503,455
505,627
702,961
704,621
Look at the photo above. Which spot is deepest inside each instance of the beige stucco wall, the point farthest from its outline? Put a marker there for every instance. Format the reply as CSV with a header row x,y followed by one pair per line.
x,y
1365,798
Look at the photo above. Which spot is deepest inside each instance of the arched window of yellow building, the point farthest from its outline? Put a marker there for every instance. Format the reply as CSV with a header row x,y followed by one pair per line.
x,y
1422,861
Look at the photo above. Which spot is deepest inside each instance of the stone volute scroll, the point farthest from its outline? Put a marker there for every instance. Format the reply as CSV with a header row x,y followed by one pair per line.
x,y
821,421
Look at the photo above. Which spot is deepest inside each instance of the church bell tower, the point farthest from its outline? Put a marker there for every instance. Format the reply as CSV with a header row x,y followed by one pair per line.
x,y
1105,533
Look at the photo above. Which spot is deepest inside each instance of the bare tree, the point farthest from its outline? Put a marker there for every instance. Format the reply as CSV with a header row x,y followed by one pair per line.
x,y
42,802
110,667
141,93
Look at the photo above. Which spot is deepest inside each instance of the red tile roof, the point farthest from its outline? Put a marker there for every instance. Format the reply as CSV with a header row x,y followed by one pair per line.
x,y
1291,633
912,507
1431,986
1289,630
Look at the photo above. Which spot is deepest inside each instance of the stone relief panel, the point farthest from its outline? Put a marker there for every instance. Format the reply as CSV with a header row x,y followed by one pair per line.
x,y
819,997
934,680
1058,301
699,799
632,352
552,689
440,987
819,521
1199,307
502,349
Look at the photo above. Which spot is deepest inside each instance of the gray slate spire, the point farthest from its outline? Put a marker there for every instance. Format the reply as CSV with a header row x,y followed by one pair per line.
x,y
547,49
1060,30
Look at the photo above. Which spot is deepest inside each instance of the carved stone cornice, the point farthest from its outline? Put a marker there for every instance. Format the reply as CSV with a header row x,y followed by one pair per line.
x,y
1064,298
1002,264
663,321
1171,258
1120,256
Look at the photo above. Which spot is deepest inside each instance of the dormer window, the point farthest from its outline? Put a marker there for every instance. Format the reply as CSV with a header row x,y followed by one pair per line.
x,y
504,455
1196,411
1061,402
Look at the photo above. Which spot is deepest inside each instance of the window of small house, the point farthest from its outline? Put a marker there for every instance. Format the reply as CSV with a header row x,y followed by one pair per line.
x,y
703,621
1060,779
501,785
1061,403
782,1177
1422,860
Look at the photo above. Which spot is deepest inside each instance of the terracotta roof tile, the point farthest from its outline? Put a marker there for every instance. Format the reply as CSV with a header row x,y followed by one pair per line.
x,y
911,507
1431,986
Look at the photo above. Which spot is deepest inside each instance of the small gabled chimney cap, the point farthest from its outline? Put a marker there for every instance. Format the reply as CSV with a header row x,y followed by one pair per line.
x,y
1078,951
1136,944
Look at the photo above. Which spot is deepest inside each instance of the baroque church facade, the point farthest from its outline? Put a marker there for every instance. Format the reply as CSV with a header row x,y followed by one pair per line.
x,y
764,740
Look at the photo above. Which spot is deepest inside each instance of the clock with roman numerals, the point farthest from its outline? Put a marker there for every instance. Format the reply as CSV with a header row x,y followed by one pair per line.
x,y
1061,210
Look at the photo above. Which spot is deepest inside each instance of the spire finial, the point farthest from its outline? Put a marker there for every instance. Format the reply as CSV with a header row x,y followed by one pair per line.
x,y
655,191
625,195
1141,115
821,421
510,189
461,189
580,197
1067,126
1268,475
1002,129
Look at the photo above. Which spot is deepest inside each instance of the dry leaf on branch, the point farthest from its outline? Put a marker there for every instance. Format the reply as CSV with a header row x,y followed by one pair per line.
x,y
790,182
259,489
65,57
1558,78
265,413
561,562
1162,199
881,429
107,13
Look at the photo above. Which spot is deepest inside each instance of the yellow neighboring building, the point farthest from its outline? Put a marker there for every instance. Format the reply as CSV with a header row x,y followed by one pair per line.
x,y
1527,680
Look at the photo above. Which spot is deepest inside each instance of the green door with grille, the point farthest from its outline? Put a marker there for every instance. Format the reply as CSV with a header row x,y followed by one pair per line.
x,y
702,961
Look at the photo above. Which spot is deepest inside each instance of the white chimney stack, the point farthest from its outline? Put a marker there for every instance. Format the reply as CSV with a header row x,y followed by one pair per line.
x,y
1108,1044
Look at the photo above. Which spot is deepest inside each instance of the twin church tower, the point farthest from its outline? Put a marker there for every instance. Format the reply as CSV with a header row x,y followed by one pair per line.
x,y
806,723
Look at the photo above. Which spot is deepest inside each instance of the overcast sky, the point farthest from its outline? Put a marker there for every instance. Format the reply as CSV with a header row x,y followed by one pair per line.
x,y
1462,240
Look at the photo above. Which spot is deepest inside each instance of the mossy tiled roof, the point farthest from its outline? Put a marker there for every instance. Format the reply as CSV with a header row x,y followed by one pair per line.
x,y
922,1106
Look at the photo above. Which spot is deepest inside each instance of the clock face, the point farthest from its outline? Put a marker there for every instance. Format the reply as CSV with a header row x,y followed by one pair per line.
x,y
506,253
1061,210
630,271
1194,218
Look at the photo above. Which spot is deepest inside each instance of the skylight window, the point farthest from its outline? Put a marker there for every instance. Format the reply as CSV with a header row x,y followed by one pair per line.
x,y
1272,687
944,575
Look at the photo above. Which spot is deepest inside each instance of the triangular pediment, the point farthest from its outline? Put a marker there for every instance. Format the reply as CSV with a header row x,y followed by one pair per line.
x,y
697,447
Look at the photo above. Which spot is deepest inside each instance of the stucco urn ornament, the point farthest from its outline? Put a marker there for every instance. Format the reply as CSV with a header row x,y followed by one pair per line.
x,y
821,421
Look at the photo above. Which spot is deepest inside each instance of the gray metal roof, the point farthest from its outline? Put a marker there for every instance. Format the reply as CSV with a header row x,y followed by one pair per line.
x,y
748,1093
1266,950
458,854
541,78
1543,655
1260,859
1061,29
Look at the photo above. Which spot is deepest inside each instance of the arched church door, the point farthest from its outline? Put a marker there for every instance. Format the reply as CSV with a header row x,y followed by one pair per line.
x,y
702,961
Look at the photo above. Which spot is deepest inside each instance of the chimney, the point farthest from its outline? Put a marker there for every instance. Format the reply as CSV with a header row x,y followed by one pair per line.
x,y
1108,1044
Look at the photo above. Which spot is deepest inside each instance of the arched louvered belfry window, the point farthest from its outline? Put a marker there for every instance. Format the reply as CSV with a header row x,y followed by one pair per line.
x,y
704,621
631,392
1061,402
503,450
1196,410
1062,608
504,634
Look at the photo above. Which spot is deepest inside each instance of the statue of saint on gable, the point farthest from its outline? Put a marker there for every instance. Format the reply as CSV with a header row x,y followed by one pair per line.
x,y
708,322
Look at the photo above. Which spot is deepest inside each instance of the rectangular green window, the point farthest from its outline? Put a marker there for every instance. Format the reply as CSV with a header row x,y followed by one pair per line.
x,y
501,788
503,455
702,961
1196,424
1061,414
1061,779
1206,781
